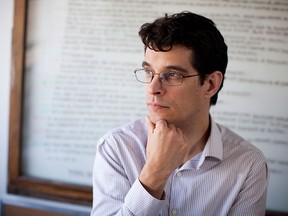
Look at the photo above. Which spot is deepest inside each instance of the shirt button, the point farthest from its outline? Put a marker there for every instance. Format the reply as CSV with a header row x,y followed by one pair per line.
x,y
179,174
174,212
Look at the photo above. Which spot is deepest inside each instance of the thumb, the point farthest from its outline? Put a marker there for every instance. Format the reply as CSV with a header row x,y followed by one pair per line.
x,y
150,125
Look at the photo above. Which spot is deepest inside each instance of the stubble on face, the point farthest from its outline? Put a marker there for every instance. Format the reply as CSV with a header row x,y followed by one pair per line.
x,y
174,104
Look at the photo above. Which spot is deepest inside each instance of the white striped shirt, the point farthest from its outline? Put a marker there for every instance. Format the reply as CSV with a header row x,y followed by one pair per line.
x,y
229,177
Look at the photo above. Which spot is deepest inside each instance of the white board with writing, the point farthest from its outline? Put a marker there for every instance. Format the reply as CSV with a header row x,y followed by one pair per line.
x,y
79,81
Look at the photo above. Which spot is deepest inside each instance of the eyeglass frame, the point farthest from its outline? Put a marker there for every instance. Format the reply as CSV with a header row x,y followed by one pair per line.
x,y
162,76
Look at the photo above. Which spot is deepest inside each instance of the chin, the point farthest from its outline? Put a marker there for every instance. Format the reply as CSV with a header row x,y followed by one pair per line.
x,y
155,118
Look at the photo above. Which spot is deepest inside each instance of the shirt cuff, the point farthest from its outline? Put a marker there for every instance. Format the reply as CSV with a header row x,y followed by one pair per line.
x,y
140,202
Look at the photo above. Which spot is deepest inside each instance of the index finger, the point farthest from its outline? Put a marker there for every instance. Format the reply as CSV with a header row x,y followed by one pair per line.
x,y
150,125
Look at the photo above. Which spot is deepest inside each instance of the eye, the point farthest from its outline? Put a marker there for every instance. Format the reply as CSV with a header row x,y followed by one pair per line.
x,y
172,75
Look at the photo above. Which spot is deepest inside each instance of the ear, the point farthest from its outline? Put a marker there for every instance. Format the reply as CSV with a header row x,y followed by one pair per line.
x,y
213,82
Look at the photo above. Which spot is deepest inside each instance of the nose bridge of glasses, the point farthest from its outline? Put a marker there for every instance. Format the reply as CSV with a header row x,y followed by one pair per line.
x,y
162,76
157,85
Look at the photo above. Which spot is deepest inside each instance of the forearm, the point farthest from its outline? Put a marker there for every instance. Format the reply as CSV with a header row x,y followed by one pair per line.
x,y
117,191
166,149
136,202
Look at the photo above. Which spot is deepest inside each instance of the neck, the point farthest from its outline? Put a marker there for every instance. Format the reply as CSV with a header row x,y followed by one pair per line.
x,y
198,136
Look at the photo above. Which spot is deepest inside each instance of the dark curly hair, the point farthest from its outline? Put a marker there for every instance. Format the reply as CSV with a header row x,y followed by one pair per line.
x,y
195,32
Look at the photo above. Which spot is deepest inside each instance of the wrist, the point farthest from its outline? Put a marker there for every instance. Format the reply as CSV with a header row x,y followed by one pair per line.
x,y
153,182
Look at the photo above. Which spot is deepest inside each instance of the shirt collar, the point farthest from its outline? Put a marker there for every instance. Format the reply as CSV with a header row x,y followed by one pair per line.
x,y
214,144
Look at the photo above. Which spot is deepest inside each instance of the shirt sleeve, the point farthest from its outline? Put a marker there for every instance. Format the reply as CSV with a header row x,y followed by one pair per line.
x,y
251,199
140,202
113,192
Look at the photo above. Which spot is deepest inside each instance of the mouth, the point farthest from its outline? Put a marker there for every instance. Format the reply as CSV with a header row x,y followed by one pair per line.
x,y
156,106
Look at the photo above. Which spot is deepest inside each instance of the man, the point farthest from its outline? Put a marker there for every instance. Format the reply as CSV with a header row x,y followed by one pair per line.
x,y
178,161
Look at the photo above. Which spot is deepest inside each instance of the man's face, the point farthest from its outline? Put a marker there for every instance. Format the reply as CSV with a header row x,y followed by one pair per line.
x,y
180,105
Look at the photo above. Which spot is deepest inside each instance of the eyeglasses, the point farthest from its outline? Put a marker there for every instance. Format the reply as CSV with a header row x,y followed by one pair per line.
x,y
167,78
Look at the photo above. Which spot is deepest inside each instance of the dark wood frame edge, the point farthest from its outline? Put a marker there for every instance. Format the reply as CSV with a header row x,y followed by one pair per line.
x,y
17,183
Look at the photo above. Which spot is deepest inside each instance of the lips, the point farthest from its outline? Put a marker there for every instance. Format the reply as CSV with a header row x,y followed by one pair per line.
x,y
156,106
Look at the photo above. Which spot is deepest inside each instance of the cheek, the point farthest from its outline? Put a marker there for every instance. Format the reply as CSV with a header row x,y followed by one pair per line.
x,y
191,98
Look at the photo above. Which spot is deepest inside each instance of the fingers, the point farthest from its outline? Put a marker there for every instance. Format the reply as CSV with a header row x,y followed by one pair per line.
x,y
179,131
160,125
165,126
150,125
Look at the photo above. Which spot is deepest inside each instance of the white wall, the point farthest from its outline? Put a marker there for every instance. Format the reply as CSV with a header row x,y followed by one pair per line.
x,y
6,24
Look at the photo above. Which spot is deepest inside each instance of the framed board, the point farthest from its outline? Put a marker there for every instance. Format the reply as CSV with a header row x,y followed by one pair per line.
x,y
72,80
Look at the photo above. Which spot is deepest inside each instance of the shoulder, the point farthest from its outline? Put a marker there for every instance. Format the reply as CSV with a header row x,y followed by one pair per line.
x,y
134,128
130,135
122,151
236,146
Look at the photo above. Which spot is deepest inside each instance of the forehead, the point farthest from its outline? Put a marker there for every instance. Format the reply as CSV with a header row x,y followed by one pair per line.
x,y
178,55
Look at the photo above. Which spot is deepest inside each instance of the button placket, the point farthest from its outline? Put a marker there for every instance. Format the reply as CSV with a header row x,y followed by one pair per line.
x,y
178,174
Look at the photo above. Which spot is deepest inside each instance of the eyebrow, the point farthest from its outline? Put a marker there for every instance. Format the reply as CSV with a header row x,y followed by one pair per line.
x,y
169,67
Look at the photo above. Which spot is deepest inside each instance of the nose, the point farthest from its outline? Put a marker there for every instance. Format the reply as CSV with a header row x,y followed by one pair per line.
x,y
156,86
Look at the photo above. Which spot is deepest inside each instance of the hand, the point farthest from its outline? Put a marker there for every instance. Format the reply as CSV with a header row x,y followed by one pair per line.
x,y
166,147
166,150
